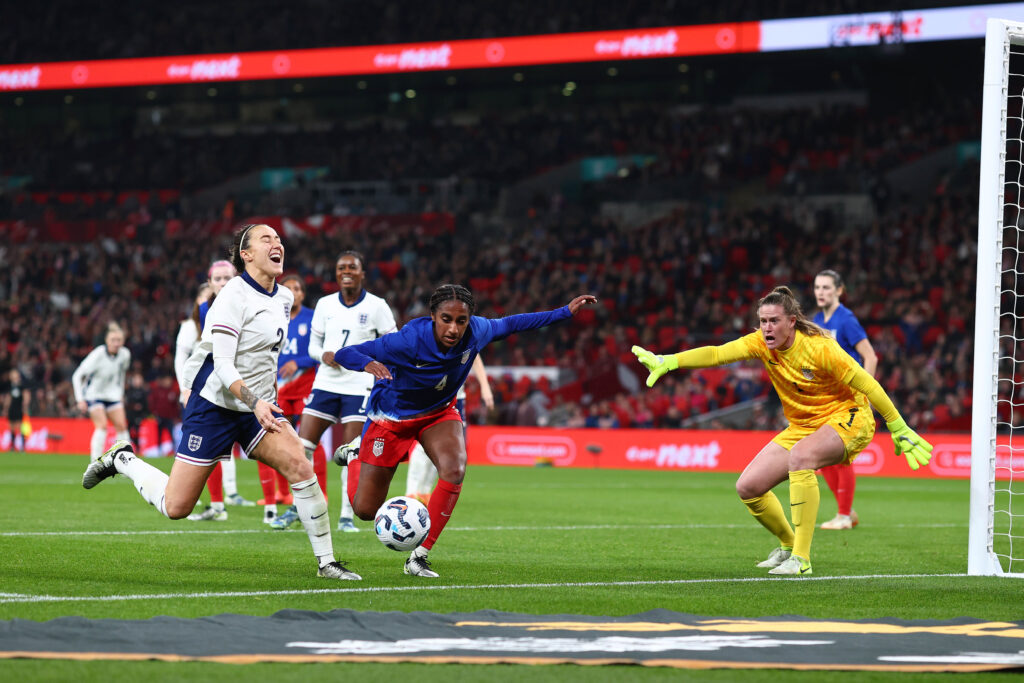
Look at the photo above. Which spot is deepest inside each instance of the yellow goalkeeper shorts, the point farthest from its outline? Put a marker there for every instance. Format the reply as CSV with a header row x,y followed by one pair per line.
x,y
855,427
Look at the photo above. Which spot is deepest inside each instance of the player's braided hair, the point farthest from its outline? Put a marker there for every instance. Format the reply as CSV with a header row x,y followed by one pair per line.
x,y
240,241
452,293
783,296
354,254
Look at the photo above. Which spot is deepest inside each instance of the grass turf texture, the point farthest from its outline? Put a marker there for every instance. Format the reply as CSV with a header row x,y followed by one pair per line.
x,y
514,528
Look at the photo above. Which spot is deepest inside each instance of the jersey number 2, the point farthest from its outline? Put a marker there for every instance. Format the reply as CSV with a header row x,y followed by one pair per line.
x,y
277,344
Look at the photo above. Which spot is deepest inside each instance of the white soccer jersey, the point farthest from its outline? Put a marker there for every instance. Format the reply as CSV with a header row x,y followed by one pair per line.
x,y
100,377
188,336
259,322
335,326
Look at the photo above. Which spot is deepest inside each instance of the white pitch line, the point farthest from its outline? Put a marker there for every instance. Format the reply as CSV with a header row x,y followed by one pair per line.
x,y
564,527
492,586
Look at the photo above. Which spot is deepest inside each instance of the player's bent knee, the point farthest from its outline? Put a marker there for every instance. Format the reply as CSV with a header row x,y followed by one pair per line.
x,y
453,474
747,490
178,509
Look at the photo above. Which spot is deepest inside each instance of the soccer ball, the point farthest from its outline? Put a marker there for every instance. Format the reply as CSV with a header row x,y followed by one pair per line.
x,y
402,523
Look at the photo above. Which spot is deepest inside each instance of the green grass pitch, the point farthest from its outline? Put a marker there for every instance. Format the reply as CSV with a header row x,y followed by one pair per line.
x,y
532,540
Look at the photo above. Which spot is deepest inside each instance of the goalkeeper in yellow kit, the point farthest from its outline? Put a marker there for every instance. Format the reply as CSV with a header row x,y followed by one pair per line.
x,y
824,395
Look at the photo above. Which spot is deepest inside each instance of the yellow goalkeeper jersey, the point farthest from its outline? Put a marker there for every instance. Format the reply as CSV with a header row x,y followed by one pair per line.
x,y
812,377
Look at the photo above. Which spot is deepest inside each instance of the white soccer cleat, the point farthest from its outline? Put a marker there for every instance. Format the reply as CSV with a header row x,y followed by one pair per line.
x,y
776,557
345,524
103,467
347,452
209,515
336,570
794,566
841,521
237,499
269,516
419,566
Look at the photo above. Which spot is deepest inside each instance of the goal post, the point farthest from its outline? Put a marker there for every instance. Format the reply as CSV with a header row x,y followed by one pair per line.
x,y
996,533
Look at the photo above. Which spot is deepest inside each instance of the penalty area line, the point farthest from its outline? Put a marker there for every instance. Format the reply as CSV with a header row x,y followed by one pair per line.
x,y
8,598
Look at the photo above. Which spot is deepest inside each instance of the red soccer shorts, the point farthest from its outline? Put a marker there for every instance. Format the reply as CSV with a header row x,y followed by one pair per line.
x,y
388,443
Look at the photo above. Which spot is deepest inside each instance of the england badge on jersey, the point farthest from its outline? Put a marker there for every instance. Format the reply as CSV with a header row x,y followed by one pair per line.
x,y
378,447
465,357
194,442
364,318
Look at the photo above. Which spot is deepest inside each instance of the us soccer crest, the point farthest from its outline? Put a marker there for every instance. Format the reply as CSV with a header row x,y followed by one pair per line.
x,y
378,447
465,357
806,372
363,318
194,442
303,328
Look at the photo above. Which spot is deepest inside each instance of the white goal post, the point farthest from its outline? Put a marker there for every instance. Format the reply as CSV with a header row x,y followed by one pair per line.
x,y
996,539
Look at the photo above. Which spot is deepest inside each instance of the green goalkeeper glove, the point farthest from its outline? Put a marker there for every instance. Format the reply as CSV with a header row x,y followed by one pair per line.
x,y
916,450
658,365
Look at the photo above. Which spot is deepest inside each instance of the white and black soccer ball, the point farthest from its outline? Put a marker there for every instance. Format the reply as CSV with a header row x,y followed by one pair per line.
x,y
402,523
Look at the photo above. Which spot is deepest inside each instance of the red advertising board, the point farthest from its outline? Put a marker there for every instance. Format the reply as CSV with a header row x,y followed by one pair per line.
x,y
651,449
697,450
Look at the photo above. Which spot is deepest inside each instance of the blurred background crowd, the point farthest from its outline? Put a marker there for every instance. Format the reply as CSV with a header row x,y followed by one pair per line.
x,y
678,193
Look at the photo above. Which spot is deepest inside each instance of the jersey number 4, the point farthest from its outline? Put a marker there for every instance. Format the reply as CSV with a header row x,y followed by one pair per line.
x,y
442,384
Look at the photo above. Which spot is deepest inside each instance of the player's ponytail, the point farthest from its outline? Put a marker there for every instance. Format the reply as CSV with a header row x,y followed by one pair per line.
x,y
783,296
452,293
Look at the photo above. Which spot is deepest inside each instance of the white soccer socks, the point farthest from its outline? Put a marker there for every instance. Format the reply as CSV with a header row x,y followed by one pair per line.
x,y
312,508
96,441
150,482
229,476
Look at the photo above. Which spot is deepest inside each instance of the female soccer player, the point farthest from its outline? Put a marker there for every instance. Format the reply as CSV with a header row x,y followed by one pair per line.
x,y
15,407
295,372
99,388
223,482
232,376
824,395
422,475
844,326
188,336
350,317
419,371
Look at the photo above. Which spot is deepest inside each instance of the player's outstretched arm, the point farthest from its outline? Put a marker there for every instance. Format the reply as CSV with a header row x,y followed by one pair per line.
x,y
700,357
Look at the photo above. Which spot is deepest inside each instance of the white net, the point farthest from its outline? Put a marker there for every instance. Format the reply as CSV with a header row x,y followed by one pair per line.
x,y
1007,524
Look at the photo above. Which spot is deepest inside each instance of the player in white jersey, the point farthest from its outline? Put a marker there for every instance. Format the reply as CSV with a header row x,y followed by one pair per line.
x,y
99,388
421,476
351,316
188,337
232,376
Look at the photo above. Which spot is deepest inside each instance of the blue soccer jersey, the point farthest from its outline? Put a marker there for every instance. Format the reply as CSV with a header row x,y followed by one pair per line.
x,y
846,329
204,308
425,377
297,347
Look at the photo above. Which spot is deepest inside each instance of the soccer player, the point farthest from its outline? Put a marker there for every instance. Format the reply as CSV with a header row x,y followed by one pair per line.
x,y
188,336
232,377
844,326
223,482
419,371
350,317
422,475
98,384
824,395
295,372
15,407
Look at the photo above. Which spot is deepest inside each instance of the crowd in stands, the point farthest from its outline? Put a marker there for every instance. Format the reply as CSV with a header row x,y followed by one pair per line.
x,y
74,30
823,149
687,279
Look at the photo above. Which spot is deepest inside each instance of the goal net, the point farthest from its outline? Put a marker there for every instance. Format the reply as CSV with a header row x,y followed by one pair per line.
x,y
996,540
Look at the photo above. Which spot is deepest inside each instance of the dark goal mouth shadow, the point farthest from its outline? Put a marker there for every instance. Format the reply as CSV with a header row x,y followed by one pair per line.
x,y
658,638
